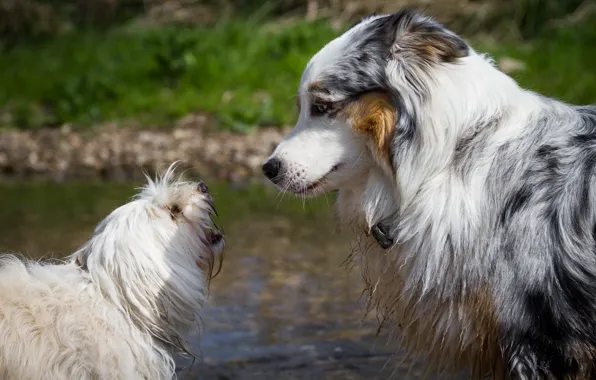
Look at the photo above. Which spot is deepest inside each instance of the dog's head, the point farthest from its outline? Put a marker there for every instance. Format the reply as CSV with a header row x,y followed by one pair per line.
x,y
168,223
155,255
356,96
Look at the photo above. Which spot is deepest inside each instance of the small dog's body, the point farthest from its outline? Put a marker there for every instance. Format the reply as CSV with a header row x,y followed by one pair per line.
x,y
483,193
119,307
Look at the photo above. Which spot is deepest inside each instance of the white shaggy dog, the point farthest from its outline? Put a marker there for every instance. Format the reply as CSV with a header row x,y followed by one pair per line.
x,y
119,307
474,199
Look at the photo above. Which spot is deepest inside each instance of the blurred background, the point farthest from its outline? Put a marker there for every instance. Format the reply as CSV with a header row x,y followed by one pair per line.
x,y
94,91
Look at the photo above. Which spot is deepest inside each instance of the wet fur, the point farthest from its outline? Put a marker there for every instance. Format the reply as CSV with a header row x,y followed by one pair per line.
x,y
488,191
119,307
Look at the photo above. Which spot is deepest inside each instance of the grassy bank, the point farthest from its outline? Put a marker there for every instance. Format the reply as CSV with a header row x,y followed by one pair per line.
x,y
242,73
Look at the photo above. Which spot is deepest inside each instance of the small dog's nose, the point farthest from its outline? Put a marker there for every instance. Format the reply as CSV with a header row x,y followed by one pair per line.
x,y
271,168
202,187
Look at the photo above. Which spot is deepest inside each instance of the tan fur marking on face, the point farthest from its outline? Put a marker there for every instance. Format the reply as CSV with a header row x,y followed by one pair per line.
x,y
373,115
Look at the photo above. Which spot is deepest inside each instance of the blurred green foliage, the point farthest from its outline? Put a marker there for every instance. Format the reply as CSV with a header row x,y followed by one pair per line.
x,y
26,19
243,74
533,17
559,64
243,70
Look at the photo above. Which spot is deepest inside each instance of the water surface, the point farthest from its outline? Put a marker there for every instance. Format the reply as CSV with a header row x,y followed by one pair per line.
x,y
284,305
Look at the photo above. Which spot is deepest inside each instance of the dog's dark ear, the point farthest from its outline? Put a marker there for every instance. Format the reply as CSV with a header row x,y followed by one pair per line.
x,y
412,36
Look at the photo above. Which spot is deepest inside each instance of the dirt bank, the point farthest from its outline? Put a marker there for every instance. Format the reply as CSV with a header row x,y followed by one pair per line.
x,y
110,152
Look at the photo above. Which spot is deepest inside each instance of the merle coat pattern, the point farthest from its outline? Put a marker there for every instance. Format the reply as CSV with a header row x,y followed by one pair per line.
x,y
483,194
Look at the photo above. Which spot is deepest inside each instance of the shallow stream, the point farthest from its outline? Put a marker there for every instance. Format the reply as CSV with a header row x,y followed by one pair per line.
x,y
284,306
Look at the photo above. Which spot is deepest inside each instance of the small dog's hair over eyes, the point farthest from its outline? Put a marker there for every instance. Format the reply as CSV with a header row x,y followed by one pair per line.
x,y
119,307
485,191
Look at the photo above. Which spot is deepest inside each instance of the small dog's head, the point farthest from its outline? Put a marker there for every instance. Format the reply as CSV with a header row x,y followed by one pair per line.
x,y
154,256
355,95
168,222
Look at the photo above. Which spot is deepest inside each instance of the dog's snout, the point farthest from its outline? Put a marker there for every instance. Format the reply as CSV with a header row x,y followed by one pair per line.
x,y
271,169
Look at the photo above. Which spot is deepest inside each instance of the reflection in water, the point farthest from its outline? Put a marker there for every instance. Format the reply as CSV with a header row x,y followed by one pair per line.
x,y
284,305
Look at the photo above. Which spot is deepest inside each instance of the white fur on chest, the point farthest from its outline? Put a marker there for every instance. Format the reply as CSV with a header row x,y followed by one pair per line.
x,y
417,284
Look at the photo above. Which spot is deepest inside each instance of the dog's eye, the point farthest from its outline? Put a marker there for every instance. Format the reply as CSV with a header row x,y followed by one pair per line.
x,y
174,211
318,109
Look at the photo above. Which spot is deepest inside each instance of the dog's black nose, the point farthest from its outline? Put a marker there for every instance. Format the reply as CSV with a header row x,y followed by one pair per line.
x,y
381,234
202,187
271,168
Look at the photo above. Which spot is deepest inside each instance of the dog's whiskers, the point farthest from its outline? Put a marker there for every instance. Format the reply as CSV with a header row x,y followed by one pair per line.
x,y
283,192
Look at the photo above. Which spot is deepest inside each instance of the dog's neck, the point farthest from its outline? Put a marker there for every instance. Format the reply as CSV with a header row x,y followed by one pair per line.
x,y
453,115
367,202
463,101
425,197
160,301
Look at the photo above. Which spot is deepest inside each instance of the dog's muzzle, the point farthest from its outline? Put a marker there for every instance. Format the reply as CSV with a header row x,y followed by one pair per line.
x,y
214,237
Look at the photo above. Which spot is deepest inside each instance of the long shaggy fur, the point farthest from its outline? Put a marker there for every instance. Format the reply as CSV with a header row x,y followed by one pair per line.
x,y
486,190
119,307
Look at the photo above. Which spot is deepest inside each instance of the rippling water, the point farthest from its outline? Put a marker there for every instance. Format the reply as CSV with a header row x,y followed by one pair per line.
x,y
284,305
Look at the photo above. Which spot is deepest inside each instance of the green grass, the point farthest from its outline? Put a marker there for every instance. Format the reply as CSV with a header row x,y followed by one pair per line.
x,y
242,74
559,64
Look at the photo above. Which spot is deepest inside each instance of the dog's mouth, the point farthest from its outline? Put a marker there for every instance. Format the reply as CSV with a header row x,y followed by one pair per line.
x,y
213,235
215,239
316,185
